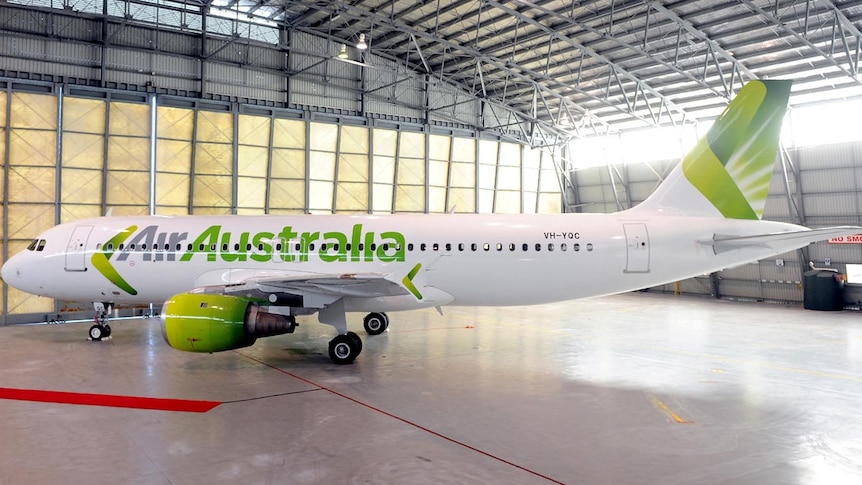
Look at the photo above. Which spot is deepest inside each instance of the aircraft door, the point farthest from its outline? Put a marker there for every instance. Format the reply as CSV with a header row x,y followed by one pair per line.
x,y
637,248
76,250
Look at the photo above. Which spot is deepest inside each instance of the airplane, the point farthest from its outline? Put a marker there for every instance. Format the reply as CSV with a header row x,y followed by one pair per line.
x,y
228,280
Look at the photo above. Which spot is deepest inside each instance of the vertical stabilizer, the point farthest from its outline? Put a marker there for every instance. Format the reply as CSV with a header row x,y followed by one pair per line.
x,y
727,173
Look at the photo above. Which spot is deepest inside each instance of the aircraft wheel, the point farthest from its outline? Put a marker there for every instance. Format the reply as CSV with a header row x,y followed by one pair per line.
x,y
375,323
97,332
343,349
107,331
356,340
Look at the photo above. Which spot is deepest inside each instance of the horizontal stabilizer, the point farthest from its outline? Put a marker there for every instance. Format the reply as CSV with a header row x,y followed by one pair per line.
x,y
723,243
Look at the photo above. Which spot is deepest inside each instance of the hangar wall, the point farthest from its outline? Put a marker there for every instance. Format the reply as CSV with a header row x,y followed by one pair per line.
x,y
825,187
72,152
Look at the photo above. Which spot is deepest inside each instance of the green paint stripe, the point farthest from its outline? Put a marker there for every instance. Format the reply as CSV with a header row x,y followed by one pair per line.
x,y
102,260
408,281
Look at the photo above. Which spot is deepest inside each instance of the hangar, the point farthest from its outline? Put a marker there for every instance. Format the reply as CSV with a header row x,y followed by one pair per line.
x,y
282,107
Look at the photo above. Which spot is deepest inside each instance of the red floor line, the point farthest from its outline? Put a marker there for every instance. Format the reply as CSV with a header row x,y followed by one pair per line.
x,y
405,421
108,400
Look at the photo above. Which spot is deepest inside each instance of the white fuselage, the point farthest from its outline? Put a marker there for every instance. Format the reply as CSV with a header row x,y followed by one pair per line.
x,y
468,259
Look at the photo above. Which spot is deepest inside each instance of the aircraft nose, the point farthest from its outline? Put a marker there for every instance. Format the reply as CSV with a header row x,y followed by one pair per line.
x,y
10,271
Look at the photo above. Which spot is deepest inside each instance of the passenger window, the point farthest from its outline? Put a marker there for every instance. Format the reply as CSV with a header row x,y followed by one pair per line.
x,y
410,246
538,247
473,246
563,247
525,247
511,246
323,247
373,246
224,247
550,246
132,247
576,247
278,247
436,247
236,247
422,247
460,246
499,246
486,246
448,247
589,246
385,247
347,247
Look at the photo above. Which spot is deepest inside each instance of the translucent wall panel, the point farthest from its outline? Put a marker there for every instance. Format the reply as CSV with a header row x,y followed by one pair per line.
x,y
83,158
462,176
252,163
128,179
213,164
550,199
488,151
507,194
32,188
410,184
287,183
383,159
439,152
321,169
530,179
352,175
175,128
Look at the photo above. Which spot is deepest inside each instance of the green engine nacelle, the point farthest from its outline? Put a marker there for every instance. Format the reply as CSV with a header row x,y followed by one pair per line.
x,y
205,322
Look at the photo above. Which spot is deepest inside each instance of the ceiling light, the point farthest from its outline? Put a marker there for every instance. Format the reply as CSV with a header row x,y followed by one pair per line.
x,y
342,54
361,45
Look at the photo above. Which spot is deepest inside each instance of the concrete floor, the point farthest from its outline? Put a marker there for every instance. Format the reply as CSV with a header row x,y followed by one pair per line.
x,y
636,388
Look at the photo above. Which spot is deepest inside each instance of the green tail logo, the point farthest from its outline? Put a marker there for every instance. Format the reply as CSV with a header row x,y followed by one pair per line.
x,y
732,165
102,260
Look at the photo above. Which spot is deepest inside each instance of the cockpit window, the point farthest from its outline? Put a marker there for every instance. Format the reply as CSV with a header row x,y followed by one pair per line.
x,y
36,245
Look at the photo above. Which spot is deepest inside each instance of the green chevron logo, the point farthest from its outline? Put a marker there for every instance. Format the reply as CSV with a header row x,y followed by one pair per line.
x,y
408,281
102,260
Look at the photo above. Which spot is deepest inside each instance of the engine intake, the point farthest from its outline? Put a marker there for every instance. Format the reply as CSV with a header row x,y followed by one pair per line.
x,y
201,322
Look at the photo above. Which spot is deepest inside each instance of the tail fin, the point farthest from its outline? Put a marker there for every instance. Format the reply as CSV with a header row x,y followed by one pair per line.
x,y
728,171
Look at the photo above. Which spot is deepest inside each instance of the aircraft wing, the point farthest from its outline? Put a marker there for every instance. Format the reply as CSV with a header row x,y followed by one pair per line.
x,y
282,285
723,243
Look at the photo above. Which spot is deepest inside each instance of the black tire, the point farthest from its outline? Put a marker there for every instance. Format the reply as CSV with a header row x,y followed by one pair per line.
x,y
375,323
107,330
96,333
356,340
343,349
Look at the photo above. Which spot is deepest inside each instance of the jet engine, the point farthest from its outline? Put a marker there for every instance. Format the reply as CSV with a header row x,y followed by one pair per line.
x,y
203,322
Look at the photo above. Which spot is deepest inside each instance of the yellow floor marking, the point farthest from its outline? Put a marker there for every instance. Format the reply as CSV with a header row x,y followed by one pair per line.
x,y
663,407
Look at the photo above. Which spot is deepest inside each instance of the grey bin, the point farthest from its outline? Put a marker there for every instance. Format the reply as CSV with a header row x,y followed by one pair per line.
x,y
823,290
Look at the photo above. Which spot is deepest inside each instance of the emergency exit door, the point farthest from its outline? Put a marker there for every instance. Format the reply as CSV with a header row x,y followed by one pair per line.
x,y
637,248
76,251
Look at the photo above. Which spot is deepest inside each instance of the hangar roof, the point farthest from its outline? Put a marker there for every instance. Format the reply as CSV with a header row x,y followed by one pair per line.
x,y
600,64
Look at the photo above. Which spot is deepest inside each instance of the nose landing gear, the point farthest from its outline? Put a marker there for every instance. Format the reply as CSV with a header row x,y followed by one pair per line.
x,y
101,330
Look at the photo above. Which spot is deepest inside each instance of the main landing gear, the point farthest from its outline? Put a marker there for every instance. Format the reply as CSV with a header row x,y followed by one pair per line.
x,y
101,329
346,346
375,323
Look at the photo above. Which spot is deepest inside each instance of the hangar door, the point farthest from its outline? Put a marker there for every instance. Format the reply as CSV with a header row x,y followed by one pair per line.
x,y
76,251
637,248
